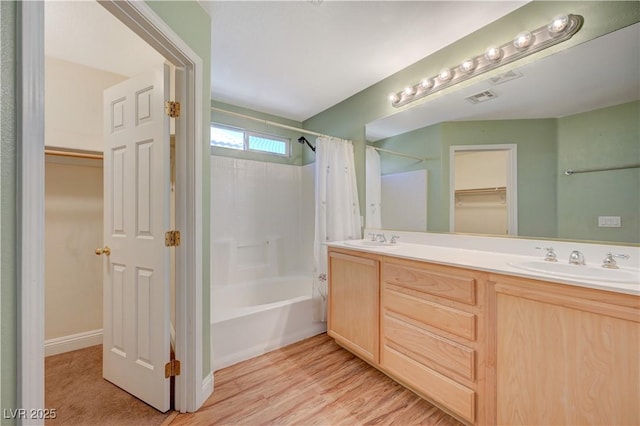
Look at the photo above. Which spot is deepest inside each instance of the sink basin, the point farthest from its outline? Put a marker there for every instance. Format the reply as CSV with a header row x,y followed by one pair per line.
x,y
369,243
592,273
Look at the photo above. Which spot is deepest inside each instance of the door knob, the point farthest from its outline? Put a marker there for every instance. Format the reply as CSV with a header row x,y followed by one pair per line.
x,y
106,251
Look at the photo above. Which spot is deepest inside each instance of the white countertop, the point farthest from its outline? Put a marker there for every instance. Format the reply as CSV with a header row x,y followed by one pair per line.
x,y
489,261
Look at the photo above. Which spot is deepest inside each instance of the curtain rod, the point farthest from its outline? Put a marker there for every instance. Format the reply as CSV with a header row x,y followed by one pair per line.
x,y
75,154
273,123
569,172
398,153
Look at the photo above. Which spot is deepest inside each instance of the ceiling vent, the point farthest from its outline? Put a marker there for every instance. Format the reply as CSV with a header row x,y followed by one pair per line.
x,y
487,95
504,77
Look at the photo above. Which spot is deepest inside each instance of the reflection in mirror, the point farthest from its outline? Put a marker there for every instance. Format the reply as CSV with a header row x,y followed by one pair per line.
x,y
483,189
563,113
389,204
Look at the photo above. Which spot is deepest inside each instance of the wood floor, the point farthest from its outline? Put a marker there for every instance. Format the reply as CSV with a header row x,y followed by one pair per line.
x,y
313,382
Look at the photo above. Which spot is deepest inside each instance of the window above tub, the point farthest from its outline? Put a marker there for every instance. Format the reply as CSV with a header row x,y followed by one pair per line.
x,y
246,140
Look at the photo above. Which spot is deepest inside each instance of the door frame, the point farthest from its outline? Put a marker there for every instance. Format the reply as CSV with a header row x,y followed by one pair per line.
x,y
192,388
512,181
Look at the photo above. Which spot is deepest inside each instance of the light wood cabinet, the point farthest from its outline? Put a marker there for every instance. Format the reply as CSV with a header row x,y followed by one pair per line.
x,y
565,355
432,333
353,302
490,348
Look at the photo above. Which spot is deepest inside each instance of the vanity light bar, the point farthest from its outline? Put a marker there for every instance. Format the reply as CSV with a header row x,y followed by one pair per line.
x,y
561,28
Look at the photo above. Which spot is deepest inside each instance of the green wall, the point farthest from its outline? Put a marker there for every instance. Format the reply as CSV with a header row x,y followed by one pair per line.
x,y
536,141
8,223
193,25
297,151
550,204
423,143
604,138
536,144
348,118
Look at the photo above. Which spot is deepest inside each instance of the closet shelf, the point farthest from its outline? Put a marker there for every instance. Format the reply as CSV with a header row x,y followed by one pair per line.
x,y
472,191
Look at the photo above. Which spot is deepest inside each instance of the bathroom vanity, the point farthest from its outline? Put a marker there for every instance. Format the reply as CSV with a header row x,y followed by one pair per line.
x,y
485,343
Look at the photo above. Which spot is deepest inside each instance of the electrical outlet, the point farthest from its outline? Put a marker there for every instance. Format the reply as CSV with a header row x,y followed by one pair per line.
x,y
609,222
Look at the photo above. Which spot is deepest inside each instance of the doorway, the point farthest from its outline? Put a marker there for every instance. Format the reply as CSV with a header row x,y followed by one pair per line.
x,y
191,388
75,132
483,189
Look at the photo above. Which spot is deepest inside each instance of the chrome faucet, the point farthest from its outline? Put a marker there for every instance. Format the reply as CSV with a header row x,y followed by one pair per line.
x,y
550,255
378,237
576,258
609,261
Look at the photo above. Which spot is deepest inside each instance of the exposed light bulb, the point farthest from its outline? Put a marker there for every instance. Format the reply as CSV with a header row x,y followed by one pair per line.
x,y
523,40
426,83
493,53
445,74
561,28
467,66
558,24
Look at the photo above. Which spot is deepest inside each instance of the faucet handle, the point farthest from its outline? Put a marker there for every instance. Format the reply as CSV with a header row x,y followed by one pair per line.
x,y
394,239
576,258
373,236
610,260
550,255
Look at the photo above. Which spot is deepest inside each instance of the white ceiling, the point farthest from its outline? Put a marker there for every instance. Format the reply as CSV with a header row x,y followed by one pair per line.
x,y
292,59
86,33
295,59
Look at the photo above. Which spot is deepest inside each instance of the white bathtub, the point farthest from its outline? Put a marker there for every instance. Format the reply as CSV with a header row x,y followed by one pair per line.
x,y
250,319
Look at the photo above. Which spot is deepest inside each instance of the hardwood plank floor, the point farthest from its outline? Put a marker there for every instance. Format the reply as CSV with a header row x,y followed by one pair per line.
x,y
312,382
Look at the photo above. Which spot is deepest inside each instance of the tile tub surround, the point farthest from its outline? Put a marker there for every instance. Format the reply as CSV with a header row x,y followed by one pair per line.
x,y
493,254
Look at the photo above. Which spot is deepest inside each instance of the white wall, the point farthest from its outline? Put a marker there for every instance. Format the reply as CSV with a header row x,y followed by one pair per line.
x,y
73,104
404,201
73,230
481,169
257,228
481,212
73,205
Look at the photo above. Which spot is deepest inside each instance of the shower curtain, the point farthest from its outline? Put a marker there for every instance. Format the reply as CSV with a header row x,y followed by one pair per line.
x,y
337,210
373,218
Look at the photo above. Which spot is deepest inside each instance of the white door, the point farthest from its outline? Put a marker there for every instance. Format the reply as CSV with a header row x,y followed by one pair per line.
x,y
136,217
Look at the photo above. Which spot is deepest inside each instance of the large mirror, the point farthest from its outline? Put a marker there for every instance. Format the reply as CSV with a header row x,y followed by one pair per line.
x,y
574,117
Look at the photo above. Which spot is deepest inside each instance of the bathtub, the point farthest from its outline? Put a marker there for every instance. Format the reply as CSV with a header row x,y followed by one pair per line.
x,y
252,318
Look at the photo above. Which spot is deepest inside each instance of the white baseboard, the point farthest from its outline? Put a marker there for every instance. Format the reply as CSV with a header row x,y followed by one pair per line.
x,y
72,342
205,391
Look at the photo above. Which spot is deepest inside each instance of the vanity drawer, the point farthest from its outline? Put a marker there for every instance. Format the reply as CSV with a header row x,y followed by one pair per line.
x,y
430,347
449,394
459,323
450,283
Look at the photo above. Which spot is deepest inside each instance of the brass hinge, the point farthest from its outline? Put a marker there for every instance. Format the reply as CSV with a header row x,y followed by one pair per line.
x,y
172,368
172,238
172,109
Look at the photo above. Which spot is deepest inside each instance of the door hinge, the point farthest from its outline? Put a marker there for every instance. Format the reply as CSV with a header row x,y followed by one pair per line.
x,y
172,238
172,108
172,368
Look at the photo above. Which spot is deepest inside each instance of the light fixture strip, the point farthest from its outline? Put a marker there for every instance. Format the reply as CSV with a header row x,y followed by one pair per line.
x,y
539,39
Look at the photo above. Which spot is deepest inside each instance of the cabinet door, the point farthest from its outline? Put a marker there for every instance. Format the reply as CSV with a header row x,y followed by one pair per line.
x,y
354,297
565,359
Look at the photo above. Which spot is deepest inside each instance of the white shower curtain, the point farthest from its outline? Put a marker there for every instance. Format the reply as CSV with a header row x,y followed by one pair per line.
x,y
373,218
337,210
